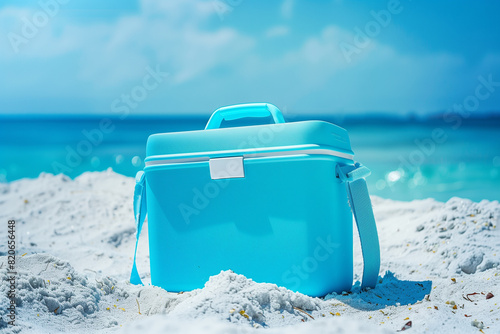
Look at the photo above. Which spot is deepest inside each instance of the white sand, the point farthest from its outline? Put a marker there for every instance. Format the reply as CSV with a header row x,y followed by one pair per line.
x,y
78,240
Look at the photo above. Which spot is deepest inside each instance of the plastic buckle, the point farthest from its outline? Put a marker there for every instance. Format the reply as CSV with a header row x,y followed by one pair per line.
x,y
341,174
351,173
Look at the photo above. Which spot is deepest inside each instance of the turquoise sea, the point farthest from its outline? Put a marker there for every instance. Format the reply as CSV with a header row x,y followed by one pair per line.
x,y
409,158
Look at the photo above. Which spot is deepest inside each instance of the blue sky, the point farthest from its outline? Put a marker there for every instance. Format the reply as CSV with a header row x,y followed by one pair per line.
x,y
109,57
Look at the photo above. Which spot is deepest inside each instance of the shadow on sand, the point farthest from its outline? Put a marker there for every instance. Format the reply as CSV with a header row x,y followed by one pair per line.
x,y
390,291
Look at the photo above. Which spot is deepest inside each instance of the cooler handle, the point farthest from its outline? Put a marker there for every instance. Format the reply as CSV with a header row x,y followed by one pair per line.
x,y
231,113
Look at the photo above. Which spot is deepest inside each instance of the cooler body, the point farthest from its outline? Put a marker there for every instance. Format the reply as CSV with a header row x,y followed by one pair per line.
x,y
263,201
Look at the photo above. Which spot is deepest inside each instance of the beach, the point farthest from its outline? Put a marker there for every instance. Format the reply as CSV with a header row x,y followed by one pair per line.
x,y
75,240
394,103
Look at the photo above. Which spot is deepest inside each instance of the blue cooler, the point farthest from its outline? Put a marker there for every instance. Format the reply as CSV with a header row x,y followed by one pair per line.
x,y
272,202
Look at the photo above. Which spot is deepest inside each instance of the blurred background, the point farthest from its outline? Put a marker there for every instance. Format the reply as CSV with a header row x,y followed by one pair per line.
x,y
83,83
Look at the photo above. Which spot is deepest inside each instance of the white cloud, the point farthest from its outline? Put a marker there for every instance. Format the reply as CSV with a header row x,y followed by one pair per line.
x,y
165,32
315,76
172,33
277,31
287,8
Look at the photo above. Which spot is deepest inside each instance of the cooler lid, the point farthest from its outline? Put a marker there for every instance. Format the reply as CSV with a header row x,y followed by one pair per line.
x,y
256,138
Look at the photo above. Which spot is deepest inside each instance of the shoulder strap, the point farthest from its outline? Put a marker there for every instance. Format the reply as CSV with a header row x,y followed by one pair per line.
x,y
140,211
361,206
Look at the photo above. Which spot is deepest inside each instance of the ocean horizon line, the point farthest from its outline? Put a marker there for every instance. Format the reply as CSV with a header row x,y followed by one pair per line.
x,y
339,116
